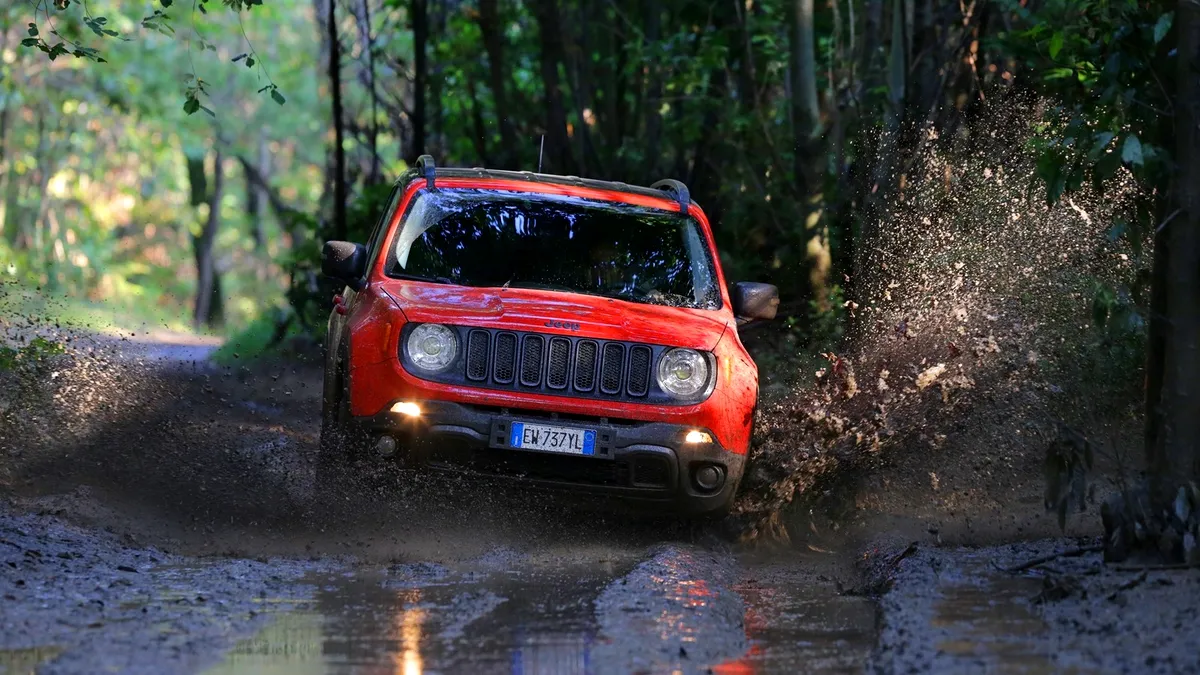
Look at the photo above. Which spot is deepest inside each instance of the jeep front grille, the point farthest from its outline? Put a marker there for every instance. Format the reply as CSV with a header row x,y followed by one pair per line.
x,y
524,361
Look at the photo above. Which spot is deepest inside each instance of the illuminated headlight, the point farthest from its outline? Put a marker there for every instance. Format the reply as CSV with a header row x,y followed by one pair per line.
x,y
682,373
432,347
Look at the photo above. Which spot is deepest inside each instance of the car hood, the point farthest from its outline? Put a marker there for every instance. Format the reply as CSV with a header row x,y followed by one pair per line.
x,y
554,312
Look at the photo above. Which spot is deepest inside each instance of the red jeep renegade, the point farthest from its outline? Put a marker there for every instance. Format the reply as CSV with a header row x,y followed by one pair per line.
x,y
567,332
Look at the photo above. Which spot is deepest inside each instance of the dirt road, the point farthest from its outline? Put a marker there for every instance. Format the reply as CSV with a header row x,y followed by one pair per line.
x,y
162,516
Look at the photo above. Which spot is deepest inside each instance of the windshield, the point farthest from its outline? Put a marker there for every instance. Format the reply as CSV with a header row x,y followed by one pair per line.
x,y
502,239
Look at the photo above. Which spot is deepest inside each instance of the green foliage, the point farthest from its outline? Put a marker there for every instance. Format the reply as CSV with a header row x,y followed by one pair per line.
x,y
310,292
69,28
36,351
1106,66
265,336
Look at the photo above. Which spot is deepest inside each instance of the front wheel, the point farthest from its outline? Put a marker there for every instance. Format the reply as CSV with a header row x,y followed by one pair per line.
x,y
338,446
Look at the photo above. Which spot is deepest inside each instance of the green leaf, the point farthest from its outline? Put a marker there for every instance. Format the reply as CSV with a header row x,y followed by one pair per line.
x,y
1102,140
277,97
239,57
166,3
1163,26
250,62
1056,45
1131,152
191,105
29,42
33,29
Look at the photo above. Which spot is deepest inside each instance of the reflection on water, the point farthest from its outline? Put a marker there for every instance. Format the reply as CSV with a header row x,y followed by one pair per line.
x,y
794,625
26,661
676,612
488,624
991,624
409,620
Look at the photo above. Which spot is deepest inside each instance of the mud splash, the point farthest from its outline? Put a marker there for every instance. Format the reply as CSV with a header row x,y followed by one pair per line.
x,y
979,317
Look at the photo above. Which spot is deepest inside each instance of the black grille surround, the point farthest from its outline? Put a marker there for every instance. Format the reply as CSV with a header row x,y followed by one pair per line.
x,y
557,365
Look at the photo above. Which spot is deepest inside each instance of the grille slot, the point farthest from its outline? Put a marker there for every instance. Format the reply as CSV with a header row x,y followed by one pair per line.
x,y
610,369
477,355
639,370
585,365
651,472
532,347
506,356
558,363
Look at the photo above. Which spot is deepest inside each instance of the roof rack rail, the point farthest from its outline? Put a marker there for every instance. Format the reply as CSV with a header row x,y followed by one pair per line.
x,y
677,190
428,169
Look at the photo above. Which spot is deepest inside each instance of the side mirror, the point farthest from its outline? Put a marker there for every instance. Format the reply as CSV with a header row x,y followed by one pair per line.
x,y
754,301
344,261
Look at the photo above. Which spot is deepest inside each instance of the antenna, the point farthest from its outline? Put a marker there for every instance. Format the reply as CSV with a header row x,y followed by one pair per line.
x,y
540,151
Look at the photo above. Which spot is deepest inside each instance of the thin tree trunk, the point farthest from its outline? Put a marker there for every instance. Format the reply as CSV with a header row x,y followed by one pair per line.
x,y
1175,457
747,79
9,226
256,197
363,18
435,84
208,293
420,30
558,144
339,149
493,43
809,164
652,104
479,137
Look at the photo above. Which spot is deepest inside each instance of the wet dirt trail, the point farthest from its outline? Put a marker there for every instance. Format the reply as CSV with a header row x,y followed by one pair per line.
x,y
162,515
176,526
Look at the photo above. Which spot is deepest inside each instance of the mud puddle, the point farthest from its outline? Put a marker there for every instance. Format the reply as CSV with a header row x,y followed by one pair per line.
x,y
680,609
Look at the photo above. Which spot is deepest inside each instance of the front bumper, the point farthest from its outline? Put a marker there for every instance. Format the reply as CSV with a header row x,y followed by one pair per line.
x,y
642,462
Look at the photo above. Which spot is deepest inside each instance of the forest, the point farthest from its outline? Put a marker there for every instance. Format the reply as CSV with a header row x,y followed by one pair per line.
x,y
180,164
186,161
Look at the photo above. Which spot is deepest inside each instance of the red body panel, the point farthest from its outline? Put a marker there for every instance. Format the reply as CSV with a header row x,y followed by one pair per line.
x,y
382,308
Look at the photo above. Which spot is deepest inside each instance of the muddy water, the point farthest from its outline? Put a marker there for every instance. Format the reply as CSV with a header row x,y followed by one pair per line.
x,y
679,610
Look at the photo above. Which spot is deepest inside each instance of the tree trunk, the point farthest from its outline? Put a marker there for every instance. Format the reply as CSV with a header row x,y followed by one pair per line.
x,y
256,196
558,144
208,289
435,86
1175,455
479,137
363,18
747,79
652,105
420,30
339,149
809,158
9,226
493,43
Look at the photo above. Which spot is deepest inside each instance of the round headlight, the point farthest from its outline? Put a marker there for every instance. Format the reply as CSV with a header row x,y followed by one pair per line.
x,y
432,347
683,373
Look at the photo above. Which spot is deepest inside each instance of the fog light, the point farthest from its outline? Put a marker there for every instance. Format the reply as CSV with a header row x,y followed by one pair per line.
x,y
709,478
385,446
694,436
407,408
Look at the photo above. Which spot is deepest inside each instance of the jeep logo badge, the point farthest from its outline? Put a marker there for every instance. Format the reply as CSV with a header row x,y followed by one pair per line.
x,y
562,324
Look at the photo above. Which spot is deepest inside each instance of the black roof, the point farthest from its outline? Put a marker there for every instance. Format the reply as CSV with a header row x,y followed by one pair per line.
x,y
425,169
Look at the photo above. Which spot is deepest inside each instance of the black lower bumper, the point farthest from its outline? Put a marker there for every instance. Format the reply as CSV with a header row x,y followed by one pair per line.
x,y
643,462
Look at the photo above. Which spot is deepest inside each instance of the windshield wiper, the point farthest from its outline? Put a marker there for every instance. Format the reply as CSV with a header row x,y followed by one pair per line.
x,y
537,285
419,277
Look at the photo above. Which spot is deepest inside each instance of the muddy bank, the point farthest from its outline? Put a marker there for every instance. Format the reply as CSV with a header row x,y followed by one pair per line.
x,y
953,610
78,601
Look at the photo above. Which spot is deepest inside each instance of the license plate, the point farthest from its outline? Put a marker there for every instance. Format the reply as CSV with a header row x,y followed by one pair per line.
x,y
552,439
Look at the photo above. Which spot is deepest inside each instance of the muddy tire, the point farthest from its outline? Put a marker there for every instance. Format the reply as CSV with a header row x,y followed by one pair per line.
x,y
339,447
